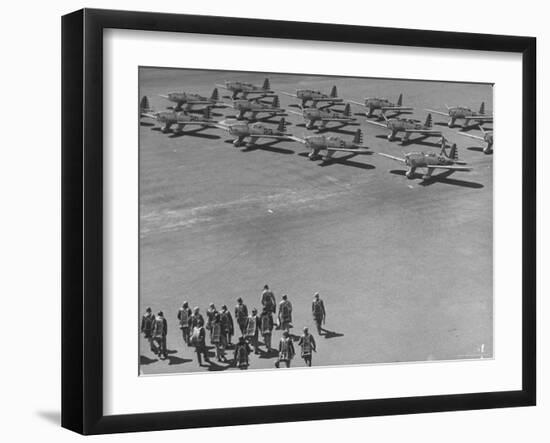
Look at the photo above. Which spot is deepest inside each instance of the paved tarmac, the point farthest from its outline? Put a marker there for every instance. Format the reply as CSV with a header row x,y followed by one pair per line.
x,y
404,266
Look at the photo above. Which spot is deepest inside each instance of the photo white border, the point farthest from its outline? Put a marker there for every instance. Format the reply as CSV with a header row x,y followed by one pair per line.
x,y
125,392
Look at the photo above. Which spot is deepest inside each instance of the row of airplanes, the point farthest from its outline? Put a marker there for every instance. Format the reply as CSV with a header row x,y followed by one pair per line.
x,y
249,100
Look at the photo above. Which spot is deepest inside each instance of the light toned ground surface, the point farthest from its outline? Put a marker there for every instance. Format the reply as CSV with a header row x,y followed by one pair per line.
x,y
404,267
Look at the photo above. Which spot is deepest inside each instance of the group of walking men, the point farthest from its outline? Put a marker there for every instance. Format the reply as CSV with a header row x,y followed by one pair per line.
x,y
220,328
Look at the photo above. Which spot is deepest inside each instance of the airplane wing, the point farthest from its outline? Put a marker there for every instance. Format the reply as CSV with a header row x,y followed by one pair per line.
x,y
354,102
221,125
295,112
372,122
482,118
450,167
446,114
327,99
355,151
288,94
148,115
397,108
277,137
343,119
221,86
423,131
399,159
163,96
477,137
297,139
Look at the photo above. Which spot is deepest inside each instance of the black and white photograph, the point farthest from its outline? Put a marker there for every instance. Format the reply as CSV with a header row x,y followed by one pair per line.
x,y
295,221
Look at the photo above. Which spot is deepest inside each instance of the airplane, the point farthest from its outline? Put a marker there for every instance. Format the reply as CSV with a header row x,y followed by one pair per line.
x,y
431,160
254,131
170,117
312,115
310,95
463,113
408,126
245,88
383,104
332,144
487,137
256,107
190,99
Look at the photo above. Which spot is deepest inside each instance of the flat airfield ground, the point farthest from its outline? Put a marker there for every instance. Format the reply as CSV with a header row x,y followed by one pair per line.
x,y
404,266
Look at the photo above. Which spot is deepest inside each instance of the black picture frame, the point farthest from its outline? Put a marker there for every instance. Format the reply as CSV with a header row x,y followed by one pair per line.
x,y
82,220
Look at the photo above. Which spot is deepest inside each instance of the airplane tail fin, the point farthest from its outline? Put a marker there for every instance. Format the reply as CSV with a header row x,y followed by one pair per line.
x,y
276,102
347,110
144,105
358,139
282,125
400,100
429,121
266,85
215,95
334,92
482,108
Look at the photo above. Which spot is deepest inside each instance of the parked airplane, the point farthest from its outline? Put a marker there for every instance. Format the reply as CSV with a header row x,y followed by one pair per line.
x,y
244,88
256,107
310,95
384,105
431,160
487,138
332,144
254,131
408,126
313,115
190,99
169,118
463,113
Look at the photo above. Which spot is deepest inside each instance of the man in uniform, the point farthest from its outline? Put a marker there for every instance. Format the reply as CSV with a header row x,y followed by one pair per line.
x,y
242,350
210,314
227,324
218,339
307,343
184,318
319,313
266,327
160,329
286,350
252,329
268,300
196,320
198,340
285,314
147,321
241,315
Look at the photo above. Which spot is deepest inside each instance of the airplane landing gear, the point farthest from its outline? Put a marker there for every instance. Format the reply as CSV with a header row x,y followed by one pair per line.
x,y
410,174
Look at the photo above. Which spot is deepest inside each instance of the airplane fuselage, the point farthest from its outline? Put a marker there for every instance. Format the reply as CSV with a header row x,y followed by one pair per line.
x,y
415,160
397,125
378,103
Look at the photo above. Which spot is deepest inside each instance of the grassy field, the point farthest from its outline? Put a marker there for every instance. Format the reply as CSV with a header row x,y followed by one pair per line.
x,y
404,266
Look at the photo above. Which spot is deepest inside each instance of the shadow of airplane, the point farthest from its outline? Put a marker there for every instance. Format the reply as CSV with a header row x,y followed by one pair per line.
x,y
143,360
441,178
268,147
338,129
195,133
345,161
173,360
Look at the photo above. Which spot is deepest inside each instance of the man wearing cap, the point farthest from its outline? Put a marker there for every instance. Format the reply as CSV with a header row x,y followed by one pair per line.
x,y
319,313
198,340
285,313
184,319
210,314
266,327
307,343
218,339
196,320
241,315
286,350
160,329
227,324
268,299
147,321
252,329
